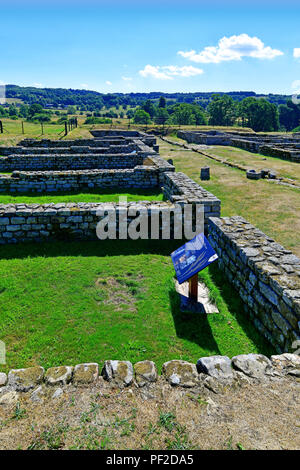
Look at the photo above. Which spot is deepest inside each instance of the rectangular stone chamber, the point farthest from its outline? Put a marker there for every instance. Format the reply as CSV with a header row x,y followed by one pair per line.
x,y
37,168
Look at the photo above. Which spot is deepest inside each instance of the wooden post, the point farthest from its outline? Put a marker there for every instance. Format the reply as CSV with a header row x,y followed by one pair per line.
x,y
66,128
22,127
42,128
193,287
1,127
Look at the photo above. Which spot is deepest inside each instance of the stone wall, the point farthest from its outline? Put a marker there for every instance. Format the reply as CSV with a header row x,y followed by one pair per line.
x,y
80,180
77,149
179,188
279,146
216,373
266,276
283,153
69,162
208,138
35,222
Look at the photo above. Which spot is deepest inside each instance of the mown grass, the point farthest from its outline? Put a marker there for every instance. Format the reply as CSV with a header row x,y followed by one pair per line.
x,y
77,302
89,196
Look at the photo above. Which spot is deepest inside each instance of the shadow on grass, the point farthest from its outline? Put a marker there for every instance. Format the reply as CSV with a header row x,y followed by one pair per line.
x,y
193,327
114,191
235,306
89,248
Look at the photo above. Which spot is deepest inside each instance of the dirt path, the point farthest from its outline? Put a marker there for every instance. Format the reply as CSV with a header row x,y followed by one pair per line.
x,y
252,416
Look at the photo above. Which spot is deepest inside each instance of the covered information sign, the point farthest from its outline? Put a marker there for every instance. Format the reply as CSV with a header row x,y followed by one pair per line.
x,y
192,257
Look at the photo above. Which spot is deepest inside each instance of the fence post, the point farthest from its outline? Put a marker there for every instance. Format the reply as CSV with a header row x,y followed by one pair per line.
x,y
22,127
66,128
1,127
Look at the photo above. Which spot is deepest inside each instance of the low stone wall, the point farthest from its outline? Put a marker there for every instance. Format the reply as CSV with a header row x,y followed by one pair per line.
x,y
283,153
216,373
146,138
79,180
77,149
249,145
69,162
280,146
28,222
34,222
179,188
48,143
266,276
209,138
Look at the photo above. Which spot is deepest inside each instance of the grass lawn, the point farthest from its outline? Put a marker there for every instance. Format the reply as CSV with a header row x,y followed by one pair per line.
x,y
105,196
90,301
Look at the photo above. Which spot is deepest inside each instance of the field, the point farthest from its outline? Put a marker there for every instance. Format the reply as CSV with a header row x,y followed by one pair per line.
x,y
69,303
66,303
272,208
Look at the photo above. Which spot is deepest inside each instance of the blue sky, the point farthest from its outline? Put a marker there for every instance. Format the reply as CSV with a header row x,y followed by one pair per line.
x,y
142,46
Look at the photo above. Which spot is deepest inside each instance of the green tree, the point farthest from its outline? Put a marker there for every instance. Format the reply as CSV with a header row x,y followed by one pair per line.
x,y
187,114
12,111
259,114
35,108
161,116
42,117
23,111
222,110
162,102
149,108
289,115
141,117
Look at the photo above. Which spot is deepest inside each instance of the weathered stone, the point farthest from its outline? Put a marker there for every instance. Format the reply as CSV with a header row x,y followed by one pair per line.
x,y
58,393
120,372
9,398
287,364
181,373
85,373
145,372
23,380
3,379
253,365
216,366
59,375
37,395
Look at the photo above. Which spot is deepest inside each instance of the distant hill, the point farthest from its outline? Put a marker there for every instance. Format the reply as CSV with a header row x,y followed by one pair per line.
x,y
91,100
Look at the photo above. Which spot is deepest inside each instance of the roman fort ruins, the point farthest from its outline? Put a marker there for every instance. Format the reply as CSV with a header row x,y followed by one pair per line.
x,y
263,273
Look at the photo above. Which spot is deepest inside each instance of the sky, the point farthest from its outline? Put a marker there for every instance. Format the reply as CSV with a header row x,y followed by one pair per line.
x,y
142,46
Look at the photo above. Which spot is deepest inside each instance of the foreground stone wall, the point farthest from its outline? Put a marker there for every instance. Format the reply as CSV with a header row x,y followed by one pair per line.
x,y
216,373
266,276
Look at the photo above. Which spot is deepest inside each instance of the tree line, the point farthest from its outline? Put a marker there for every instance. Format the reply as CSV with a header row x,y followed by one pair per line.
x,y
256,113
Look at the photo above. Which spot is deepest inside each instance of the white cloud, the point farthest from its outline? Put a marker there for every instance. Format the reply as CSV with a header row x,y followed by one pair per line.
x,y
108,82
127,79
297,52
232,48
84,85
167,72
39,85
